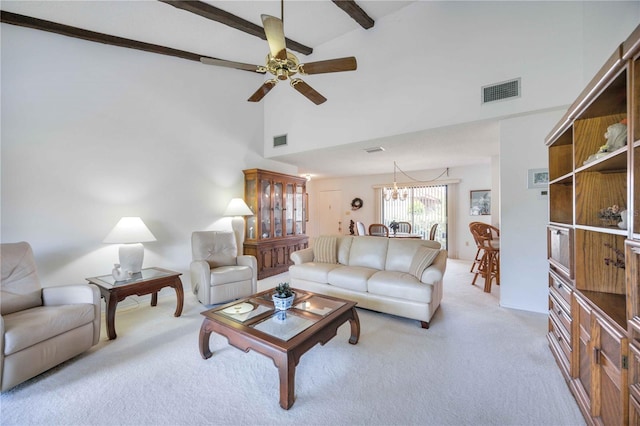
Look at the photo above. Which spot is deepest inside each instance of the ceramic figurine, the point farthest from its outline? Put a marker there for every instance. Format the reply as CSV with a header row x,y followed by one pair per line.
x,y
119,274
623,216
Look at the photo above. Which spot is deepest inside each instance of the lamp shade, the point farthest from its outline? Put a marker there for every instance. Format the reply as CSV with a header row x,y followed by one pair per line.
x,y
237,207
129,230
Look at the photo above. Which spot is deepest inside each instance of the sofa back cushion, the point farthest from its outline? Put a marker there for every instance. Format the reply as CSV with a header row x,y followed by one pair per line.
x,y
370,252
401,252
20,284
218,248
324,249
344,247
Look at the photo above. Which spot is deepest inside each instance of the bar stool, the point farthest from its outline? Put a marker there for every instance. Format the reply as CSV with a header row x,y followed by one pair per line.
x,y
487,241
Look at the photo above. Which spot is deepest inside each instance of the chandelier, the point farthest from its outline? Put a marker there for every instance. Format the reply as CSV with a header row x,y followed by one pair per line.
x,y
395,193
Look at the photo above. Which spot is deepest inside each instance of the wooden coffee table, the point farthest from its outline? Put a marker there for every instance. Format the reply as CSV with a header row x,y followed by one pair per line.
x,y
147,281
283,336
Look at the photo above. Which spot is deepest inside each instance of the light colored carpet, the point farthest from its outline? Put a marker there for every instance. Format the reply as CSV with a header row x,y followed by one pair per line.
x,y
479,364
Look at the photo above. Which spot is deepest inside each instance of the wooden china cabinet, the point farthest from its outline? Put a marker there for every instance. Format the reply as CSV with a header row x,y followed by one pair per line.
x,y
278,225
594,278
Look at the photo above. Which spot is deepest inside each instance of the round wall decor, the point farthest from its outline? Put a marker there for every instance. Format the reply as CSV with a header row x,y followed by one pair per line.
x,y
356,203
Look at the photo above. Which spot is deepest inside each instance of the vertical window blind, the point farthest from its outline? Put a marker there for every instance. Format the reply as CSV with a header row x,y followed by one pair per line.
x,y
423,207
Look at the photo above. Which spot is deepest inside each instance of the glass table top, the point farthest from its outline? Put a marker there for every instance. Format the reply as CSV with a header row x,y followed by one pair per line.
x,y
283,325
145,274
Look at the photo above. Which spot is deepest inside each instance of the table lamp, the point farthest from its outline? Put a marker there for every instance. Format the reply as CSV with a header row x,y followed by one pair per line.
x,y
238,208
130,232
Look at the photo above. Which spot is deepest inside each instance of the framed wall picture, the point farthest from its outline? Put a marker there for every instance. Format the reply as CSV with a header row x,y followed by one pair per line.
x,y
480,202
538,178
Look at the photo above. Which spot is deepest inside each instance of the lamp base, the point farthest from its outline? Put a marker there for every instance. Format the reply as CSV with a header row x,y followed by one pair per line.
x,y
237,224
131,257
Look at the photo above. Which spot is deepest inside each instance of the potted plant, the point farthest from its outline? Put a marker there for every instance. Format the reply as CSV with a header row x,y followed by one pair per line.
x,y
282,297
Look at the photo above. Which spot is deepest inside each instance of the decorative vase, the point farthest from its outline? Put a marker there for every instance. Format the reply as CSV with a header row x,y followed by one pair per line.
x,y
282,303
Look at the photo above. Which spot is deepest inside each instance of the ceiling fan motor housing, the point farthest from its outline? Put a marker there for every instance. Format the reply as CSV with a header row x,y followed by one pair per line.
x,y
282,69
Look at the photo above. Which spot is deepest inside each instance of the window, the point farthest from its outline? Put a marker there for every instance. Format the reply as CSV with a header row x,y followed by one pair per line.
x,y
424,207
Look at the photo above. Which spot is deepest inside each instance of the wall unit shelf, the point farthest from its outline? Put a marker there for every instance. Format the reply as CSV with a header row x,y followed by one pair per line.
x,y
594,283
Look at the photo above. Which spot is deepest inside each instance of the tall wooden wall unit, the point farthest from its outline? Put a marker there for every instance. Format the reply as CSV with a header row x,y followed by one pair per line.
x,y
594,278
278,226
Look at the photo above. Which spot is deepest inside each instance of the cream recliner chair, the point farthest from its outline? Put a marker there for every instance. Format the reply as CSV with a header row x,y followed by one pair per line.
x,y
41,327
218,274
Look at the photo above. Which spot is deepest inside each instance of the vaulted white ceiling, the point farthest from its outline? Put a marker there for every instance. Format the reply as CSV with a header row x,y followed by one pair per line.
x,y
312,23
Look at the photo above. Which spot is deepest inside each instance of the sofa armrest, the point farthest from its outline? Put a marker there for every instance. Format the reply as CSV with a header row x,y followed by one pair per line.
x,y
80,293
435,272
252,262
302,256
200,279
70,294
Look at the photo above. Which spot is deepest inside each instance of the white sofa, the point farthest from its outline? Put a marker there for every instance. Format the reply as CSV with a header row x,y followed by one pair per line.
x,y
379,273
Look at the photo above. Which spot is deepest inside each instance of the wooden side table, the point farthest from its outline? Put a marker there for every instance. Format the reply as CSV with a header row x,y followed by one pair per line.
x,y
147,281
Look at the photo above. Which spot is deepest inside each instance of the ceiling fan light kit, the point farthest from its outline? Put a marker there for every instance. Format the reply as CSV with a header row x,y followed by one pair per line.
x,y
284,64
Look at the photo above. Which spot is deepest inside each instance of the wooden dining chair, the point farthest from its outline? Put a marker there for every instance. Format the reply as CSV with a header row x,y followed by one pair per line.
x,y
432,232
378,230
404,227
487,241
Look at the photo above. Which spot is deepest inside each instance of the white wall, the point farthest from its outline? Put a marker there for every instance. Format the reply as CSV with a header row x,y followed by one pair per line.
x,y
461,244
91,133
524,213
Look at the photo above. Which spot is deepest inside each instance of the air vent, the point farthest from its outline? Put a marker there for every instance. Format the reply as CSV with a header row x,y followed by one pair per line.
x,y
501,91
374,149
279,140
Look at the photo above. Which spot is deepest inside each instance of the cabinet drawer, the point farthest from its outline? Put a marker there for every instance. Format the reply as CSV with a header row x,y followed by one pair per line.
x,y
560,249
559,342
561,286
561,315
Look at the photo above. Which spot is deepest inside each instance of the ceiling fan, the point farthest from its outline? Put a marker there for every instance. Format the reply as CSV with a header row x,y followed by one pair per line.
x,y
284,64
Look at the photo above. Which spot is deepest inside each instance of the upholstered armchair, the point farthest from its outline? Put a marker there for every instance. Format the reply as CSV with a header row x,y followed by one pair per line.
x,y
41,327
218,274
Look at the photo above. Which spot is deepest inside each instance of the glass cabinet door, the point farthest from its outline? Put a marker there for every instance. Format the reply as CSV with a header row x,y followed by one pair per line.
x,y
277,208
252,201
289,209
299,213
265,209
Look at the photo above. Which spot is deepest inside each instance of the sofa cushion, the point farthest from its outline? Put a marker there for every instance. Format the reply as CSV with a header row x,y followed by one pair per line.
x,y
423,258
312,271
227,274
351,277
218,248
399,285
26,328
401,252
324,249
368,252
20,284
344,246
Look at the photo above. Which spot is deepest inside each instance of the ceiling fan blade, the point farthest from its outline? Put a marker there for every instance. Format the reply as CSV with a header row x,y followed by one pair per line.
x,y
231,64
262,91
308,91
331,65
274,30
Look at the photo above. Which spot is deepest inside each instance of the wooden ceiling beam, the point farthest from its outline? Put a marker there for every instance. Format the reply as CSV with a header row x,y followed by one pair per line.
x,y
211,12
66,30
352,9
